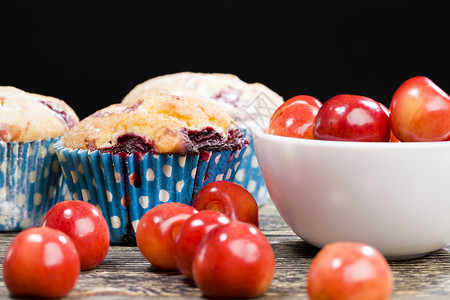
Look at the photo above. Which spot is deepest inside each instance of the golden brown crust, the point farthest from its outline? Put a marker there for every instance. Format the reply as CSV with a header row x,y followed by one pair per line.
x,y
159,119
26,117
241,100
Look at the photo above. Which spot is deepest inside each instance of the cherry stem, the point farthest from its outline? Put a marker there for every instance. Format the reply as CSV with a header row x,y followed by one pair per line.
x,y
215,206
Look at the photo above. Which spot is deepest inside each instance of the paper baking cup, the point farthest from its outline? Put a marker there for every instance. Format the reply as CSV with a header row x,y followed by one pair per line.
x,y
125,188
249,175
30,183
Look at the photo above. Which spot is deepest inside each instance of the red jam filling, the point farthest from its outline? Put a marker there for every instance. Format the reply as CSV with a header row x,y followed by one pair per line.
x,y
210,140
229,95
61,112
196,141
129,144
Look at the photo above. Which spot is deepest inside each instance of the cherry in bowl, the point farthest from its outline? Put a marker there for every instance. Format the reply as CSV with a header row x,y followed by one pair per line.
x,y
420,111
352,118
295,117
370,192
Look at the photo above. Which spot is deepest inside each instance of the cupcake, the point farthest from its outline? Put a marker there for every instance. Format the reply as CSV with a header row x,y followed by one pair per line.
x,y
249,105
30,175
128,158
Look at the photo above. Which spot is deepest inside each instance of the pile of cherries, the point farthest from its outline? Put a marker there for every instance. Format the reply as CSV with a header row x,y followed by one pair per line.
x,y
216,242
419,112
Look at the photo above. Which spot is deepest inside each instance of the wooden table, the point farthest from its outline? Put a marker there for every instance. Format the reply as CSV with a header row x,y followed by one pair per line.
x,y
125,273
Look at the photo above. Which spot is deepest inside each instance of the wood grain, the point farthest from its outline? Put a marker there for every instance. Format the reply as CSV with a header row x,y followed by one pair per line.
x,y
125,273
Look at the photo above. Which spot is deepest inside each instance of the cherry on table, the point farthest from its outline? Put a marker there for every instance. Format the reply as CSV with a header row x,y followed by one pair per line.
x,y
157,231
228,198
191,234
349,270
41,262
85,225
234,260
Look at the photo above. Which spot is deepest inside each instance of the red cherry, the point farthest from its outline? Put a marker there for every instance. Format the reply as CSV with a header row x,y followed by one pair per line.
x,y
352,118
191,234
85,225
295,117
41,262
234,261
349,270
157,231
420,111
228,198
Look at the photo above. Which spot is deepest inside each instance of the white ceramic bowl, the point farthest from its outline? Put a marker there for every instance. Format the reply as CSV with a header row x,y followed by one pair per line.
x,y
393,196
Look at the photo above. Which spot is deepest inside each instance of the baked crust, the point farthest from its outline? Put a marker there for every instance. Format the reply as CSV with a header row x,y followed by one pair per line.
x,y
159,123
236,97
26,117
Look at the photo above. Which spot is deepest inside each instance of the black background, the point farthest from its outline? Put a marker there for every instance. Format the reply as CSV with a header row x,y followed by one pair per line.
x,y
91,54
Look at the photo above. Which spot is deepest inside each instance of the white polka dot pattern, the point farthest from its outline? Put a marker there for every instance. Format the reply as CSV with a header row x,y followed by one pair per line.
x,y
135,224
150,175
115,222
37,199
164,196
143,201
109,196
86,195
179,186
46,172
251,186
249,175
167,170
32,177
182,161
148,181
30,183
74,176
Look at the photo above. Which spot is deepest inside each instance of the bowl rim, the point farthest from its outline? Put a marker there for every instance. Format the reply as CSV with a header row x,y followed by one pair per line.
x,y
261,133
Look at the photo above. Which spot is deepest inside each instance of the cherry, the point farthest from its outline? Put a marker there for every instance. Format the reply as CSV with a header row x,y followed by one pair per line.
x,y
228,198
157,231
234,260
191,234
420,111
349,270
85,225
352,118
41,262
295,117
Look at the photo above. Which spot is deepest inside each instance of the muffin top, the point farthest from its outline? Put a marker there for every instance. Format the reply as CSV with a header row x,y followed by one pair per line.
x,y
26,117
247,104
159,123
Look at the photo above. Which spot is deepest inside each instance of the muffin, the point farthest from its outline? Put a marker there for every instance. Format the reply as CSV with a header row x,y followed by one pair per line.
x,y
128,158
249,105
30,175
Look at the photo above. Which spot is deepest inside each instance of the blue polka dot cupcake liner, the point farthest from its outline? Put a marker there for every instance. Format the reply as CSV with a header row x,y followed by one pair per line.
x,y
126,187
249,175
31,182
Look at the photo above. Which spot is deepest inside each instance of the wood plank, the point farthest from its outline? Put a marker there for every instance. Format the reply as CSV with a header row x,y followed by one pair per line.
x,y
125,273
